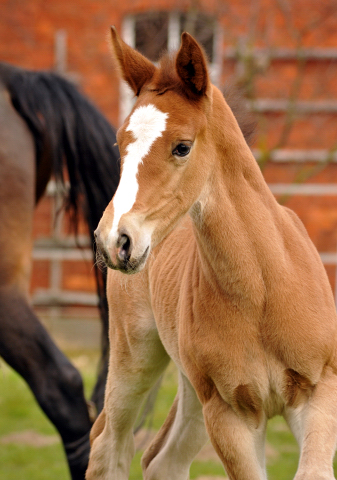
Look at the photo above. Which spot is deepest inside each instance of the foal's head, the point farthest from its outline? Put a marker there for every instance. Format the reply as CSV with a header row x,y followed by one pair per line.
x,y
164,151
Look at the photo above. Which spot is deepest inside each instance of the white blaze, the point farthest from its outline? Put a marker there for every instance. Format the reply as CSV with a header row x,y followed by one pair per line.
x,y
146,124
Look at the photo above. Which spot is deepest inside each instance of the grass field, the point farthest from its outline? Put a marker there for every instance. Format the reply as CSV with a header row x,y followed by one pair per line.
x,y
30,448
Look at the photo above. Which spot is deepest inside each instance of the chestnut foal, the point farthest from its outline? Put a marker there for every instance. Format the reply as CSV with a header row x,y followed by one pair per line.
x,y
227,284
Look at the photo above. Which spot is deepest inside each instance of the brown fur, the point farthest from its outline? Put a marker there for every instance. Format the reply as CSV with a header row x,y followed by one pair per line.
x,y
233,289
125,57
98,426
166,78
249,403
297,388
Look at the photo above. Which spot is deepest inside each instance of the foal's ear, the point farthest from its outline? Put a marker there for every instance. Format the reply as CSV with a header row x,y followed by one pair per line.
x,y
191,65
134,67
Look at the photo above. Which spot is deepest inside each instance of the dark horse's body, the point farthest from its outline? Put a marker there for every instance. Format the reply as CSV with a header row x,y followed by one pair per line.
x,y
46,125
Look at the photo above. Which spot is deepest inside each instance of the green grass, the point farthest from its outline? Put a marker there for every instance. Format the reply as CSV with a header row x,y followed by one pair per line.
x,y
24,462
20,413
28,461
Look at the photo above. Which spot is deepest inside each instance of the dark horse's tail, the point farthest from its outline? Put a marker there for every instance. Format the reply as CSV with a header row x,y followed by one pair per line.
x,y
77,136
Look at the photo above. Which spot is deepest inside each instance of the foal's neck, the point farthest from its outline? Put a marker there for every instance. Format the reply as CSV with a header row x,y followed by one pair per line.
x,y
235,215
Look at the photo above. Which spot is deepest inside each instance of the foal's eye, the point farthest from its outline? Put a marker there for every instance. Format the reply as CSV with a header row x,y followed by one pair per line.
x,y
181,150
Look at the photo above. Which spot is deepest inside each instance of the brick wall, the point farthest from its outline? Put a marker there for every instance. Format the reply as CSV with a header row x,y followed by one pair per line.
x,y
283,53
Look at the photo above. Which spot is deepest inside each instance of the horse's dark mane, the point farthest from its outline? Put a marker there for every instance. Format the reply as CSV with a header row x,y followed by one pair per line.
x,y
76,135
167,79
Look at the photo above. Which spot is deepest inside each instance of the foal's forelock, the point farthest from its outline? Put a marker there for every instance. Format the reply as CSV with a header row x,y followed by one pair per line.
x,y
147,123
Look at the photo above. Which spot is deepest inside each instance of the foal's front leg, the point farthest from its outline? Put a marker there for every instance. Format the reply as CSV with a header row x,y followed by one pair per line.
x,y
137,358
239,443
314,425
183,434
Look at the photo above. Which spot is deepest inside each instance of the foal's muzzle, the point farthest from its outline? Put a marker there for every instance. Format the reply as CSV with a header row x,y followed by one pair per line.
x,y
122,254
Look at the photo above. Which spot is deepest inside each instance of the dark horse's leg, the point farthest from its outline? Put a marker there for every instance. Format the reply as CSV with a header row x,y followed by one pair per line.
x,y
24,343
57,385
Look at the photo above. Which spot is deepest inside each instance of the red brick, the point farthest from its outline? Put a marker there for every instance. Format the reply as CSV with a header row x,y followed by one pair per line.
x,y
319,215
40,275
314,131
78,276
290,172
316,80
43,218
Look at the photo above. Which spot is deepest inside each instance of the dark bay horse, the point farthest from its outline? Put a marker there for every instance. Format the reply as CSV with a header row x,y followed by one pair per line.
x,y
46,127
210,271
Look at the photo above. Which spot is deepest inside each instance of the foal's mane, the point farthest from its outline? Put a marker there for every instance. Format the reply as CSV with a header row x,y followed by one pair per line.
x,y
167,79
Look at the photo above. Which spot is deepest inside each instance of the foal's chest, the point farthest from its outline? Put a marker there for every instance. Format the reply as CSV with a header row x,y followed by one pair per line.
x,y
217,342
202,331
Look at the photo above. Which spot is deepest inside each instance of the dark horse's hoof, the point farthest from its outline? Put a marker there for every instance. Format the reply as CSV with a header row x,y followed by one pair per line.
x,y
78,456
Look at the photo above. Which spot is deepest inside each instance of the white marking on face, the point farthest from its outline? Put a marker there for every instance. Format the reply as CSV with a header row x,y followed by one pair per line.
x,y
146,124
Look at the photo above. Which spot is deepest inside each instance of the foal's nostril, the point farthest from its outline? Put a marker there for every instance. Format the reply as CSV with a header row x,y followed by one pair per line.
x,y
124,247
